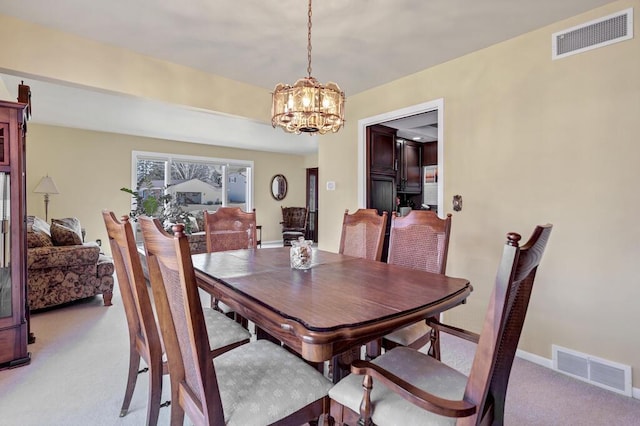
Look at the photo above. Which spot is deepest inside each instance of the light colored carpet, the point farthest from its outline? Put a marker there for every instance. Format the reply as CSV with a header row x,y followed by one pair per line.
x,y
79,362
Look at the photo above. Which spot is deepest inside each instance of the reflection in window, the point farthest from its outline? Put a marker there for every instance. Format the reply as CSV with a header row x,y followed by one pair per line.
x,y
5,247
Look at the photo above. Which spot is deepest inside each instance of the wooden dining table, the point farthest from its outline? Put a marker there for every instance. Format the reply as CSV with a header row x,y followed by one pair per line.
x,y
339,303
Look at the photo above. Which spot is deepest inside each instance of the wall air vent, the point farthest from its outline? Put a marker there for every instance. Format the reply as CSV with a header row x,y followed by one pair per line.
x,y
600,372
591,35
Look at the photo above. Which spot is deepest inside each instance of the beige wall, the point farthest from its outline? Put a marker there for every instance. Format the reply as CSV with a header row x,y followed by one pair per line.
x,y
89,169
528,140
66,58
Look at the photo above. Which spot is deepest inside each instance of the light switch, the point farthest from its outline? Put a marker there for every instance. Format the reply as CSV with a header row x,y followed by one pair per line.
x,y
331,185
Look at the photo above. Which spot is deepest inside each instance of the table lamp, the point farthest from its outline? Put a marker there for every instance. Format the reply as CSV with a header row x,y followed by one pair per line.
x,y
46,186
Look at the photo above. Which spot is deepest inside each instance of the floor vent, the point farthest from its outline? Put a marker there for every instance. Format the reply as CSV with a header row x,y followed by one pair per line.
x,y
591,35
600,372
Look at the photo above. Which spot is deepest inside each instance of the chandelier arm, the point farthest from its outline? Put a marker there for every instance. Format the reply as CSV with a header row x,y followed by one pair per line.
x,y
309,42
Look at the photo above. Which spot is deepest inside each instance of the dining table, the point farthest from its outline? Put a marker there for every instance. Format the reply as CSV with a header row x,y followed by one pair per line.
x,y
336,305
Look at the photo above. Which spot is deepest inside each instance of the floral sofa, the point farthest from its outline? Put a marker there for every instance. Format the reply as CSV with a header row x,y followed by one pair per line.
x,y
61,268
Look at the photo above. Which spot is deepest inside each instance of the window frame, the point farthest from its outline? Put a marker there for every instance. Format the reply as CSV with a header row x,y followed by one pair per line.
x,y
168,158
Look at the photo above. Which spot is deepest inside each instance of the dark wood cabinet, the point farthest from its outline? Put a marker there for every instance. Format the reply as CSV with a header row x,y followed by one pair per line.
x,y
382,150
14,327
409,178
430,153
382,196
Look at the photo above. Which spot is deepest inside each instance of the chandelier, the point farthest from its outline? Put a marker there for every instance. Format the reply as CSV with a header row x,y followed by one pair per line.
x,y
308,106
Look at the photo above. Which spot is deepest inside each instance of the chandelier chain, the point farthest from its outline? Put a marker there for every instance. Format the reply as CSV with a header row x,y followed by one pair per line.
x,y
309,42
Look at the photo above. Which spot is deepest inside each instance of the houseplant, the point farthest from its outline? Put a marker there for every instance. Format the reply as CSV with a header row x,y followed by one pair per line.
x,y
163,207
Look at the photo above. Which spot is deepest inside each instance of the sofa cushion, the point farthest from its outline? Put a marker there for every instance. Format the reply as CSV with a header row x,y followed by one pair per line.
x,y
64,236
66,257
36,224
70,222
38,239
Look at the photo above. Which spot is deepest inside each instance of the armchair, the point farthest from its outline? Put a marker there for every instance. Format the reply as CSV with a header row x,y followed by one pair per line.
x,y
294,223
414,388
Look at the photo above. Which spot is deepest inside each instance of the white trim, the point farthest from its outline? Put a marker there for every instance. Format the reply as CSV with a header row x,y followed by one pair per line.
x,y
194,158
434,105
536,359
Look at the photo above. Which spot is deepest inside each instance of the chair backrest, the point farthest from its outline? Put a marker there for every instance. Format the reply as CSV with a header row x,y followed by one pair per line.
x,y
420,240
294,218
230,228
182,322
503,323
363,233
141,319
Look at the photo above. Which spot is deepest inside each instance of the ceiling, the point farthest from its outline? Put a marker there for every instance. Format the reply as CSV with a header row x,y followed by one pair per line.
x,y
360,44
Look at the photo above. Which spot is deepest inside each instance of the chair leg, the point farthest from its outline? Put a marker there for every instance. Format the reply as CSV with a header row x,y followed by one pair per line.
x,y
373,349
134,364
177,412
155,393
434,348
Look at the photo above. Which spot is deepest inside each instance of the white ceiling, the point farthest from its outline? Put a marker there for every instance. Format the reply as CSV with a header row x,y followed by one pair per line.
x,y
359,44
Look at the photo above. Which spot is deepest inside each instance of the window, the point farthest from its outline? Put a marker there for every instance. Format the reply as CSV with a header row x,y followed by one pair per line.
x,y
194,183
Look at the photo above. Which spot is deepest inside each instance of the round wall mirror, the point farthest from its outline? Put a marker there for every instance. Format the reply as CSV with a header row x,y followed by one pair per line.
x,y
279,187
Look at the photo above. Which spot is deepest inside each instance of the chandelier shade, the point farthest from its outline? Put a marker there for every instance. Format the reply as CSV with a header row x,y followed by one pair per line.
x,y
308,106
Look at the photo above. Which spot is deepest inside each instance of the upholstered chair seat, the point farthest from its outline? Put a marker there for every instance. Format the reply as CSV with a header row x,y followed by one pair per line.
x,y
416,368
222,331
260,383
409,334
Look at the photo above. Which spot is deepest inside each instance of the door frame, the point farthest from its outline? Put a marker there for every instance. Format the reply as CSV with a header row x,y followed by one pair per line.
x,y
434,105
313,215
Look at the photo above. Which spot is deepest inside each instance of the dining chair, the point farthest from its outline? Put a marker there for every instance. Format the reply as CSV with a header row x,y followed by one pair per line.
x,y
144,337
230,228
363,234
405,386
419,240
258,383
294,223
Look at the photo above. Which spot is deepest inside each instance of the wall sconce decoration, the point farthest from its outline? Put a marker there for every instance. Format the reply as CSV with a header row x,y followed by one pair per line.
x,y
46,186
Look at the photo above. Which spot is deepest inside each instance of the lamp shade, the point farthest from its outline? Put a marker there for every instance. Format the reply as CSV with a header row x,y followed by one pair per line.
x,y
46,186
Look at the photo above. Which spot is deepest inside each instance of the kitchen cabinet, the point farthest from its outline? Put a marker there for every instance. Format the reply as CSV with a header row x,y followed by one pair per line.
x,y
430,153
382,150
14,327
382,196
409,172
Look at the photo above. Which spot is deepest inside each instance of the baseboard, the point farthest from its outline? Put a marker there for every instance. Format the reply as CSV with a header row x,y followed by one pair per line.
x,y
536,359
548,363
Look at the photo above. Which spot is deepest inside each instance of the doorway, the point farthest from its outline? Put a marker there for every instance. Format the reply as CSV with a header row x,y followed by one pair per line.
x,y
437,107
312,204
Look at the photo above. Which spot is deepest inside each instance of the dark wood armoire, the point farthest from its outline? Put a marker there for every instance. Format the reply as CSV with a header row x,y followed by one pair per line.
x,y
14,315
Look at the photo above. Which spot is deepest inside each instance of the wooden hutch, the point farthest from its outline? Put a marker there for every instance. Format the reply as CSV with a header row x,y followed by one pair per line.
x,y
14,315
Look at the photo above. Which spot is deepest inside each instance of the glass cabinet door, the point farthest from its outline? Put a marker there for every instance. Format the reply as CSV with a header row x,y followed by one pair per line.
x,y
4,144
5,248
